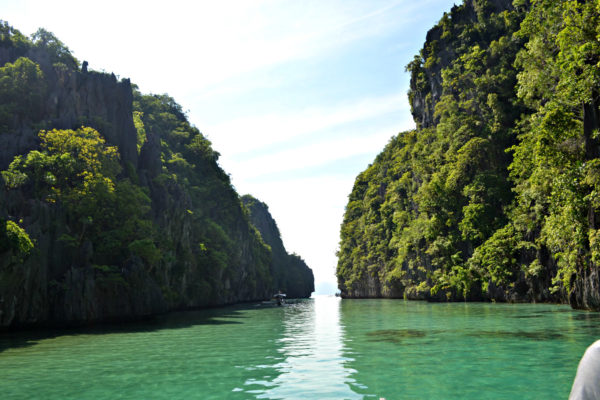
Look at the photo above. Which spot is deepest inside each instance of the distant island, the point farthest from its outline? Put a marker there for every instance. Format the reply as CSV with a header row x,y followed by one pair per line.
x,y
495,195
112,205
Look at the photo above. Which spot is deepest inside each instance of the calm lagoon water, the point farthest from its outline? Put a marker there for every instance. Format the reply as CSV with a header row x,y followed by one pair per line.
x,y
321,348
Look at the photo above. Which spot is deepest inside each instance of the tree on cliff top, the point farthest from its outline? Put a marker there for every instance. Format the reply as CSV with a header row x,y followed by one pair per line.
x,y
57,50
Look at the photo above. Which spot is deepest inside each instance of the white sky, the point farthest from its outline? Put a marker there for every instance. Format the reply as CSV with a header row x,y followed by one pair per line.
x,y
298,96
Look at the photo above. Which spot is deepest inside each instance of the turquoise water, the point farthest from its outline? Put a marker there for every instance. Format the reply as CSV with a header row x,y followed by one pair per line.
x,y
322,348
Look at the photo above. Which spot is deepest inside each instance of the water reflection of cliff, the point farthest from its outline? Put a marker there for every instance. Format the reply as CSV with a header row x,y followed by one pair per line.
x,y
314,364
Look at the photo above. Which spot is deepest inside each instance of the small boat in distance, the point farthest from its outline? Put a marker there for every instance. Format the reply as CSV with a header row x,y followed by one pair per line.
x,y
279,298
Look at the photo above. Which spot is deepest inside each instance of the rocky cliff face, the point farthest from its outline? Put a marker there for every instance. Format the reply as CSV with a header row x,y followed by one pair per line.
x,y
472,205
405,229
197,248
58,284
438,53
74,98
586,282
290,273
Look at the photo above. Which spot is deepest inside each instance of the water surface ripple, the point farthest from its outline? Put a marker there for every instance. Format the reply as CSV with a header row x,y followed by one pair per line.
x,y
321,348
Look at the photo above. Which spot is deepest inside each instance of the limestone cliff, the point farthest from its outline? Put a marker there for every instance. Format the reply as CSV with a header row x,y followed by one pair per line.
x,y
171,234
74,97
438,53
474,204
290,273
388,246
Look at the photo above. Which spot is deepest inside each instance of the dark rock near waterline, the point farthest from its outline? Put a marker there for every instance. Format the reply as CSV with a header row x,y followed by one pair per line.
x,y
586,289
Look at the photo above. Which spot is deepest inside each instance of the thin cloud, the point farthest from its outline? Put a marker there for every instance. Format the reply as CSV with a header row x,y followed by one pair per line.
x,y
245,135
311,154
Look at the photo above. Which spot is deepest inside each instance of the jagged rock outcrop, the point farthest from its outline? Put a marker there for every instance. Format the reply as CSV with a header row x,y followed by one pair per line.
x,y
586,291
438,53
74,98
98,100
290,273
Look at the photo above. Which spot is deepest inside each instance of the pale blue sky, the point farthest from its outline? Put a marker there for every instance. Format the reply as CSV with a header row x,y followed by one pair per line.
x,y
297,96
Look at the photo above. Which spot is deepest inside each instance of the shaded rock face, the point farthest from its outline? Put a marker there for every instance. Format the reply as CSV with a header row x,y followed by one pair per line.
x,y
290,273
586,290
369,287
100,101
57,284
76,98
30,292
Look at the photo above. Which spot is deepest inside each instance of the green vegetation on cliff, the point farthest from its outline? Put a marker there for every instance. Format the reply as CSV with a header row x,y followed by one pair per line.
x,y
112,205
77,171
289,271
494,196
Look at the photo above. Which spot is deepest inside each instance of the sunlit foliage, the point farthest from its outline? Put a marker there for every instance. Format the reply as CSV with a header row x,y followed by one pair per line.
x,y
499,196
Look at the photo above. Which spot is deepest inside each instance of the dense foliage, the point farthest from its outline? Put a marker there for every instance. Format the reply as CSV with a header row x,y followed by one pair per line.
x,y
77,171
187,173
494,195
111,202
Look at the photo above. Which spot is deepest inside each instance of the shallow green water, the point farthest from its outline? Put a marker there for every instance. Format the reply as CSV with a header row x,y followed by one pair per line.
x,y
322,348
